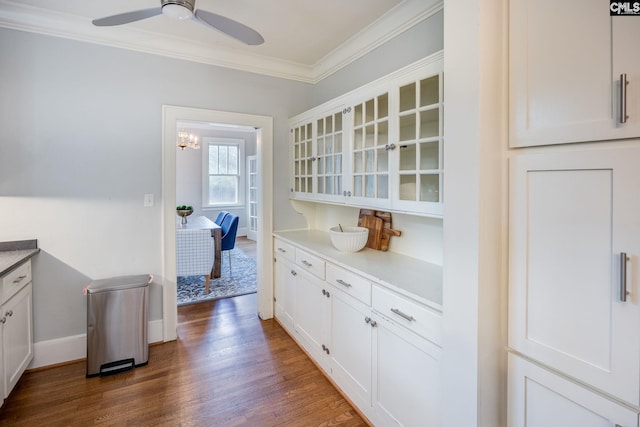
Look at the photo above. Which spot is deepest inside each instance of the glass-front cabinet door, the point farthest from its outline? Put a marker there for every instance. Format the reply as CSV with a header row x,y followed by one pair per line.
x,y
303,156
329,156
370,152
420,145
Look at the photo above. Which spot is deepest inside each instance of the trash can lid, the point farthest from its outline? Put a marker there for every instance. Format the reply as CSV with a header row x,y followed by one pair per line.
x,y
118,283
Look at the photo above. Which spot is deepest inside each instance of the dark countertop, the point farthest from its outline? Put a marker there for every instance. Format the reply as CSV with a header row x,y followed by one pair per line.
x,y
13,254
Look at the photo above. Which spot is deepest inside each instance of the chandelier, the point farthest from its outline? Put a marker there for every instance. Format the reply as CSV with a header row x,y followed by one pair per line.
x,y
187,140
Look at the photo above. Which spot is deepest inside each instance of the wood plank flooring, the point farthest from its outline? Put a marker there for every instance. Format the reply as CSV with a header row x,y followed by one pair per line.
x,y
228,368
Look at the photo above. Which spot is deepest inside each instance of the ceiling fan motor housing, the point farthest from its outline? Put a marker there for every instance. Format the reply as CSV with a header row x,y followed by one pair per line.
x,y
178,9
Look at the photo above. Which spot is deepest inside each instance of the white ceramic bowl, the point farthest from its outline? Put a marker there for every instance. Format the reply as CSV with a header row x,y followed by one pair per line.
x,y
351,239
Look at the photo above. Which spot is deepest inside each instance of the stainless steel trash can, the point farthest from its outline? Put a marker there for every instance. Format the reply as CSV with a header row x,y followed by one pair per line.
x,y
117,324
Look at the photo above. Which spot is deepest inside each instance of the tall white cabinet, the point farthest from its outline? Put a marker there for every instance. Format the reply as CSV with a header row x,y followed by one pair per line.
x,y
569,62
574,216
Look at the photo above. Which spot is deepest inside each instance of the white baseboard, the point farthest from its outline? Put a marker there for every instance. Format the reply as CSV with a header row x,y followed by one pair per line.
x,y
67,349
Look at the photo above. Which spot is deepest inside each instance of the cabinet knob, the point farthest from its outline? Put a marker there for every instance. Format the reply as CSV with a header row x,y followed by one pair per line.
x,y
294,273
367,319
10,313
3,320
390,147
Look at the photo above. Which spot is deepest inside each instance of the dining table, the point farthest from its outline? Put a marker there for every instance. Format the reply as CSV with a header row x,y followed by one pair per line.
x,y
202,223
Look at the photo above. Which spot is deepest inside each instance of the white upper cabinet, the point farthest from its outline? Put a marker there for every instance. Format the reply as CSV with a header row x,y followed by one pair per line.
x,y
567,61
380,146
574,296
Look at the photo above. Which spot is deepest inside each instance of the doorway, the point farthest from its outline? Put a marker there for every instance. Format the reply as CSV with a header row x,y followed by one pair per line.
x,y
264,172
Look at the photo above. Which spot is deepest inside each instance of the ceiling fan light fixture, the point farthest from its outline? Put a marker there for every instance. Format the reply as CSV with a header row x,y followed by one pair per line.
x,y
178,9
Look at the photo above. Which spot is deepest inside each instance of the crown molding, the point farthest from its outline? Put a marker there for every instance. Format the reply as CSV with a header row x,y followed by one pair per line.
x,y
37,20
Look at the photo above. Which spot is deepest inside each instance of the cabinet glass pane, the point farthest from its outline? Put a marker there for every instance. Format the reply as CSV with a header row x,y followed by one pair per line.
x,y
329,164
357,185
320,186
429,155
369,111
296,133
320,165
407,187
357,138
320,127
329,124
408,127
383,106
357,115
338,144
338,122
358,162
339,184
369,140
308,132
329,181
383,160
320,145
429,123
328,145
429,91
383,187
370,161
338,163
383,133
408,157
430,188
369,186
408,97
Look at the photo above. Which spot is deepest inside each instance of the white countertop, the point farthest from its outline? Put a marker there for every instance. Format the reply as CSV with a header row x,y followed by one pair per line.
x,y
11,259
411,277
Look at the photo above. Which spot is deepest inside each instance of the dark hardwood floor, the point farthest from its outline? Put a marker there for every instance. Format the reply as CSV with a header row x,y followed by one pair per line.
x,y
228,368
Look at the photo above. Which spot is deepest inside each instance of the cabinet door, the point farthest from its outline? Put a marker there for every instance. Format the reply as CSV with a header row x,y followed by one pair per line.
x,y
17,336
285,291
351,346
540,398
563,85
406,377
418,155
369,178
312,315
572,215
302,160
330,141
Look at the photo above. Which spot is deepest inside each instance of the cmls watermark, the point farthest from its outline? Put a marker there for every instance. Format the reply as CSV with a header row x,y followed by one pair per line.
x,y
617,8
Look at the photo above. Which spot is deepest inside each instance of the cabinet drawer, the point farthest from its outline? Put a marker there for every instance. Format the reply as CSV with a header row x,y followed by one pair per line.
x,y
349,282
311,263
417,318
14,281
284,249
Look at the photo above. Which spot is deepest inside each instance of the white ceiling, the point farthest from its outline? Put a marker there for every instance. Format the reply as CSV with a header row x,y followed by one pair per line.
x,y
305,40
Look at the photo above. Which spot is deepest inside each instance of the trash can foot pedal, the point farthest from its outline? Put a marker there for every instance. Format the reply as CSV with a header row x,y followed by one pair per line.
x,y
113,368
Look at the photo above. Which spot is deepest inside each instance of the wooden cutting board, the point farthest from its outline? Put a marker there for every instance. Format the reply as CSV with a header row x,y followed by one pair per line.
x,y
380,228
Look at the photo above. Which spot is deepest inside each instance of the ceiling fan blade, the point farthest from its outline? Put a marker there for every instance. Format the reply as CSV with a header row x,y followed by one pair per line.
x,y
230,27
125,18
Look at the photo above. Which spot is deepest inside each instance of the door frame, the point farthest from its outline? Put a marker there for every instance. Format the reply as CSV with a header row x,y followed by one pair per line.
x,y
264,152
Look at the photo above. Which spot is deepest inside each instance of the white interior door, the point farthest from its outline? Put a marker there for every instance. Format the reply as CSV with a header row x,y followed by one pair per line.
x,y
252,197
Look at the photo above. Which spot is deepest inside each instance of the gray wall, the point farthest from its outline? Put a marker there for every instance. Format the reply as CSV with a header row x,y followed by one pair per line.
x,y
416,43
80,145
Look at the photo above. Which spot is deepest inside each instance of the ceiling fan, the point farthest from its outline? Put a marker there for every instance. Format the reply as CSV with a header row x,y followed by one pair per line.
x,y
184,9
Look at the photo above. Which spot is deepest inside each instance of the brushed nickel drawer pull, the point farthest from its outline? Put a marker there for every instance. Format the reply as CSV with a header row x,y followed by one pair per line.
x,y
401,314
343,283
282,250
623,98
307,263
19,279
623,276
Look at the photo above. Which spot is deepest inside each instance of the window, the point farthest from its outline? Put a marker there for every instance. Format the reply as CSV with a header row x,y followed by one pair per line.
x,y
222,172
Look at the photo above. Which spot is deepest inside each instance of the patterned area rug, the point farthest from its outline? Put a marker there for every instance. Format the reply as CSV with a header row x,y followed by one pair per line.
x,y
241,281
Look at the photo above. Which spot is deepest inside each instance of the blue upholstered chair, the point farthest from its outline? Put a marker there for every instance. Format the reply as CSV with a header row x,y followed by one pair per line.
x,y
220,217
229,230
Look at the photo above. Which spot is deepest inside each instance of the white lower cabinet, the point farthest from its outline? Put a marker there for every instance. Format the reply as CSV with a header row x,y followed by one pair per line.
x,y
311,318
389,367
17,337
406,376
541,398
285,291
350,349
16,326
